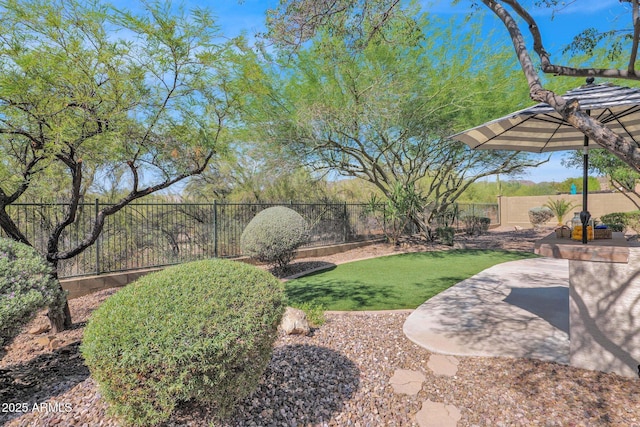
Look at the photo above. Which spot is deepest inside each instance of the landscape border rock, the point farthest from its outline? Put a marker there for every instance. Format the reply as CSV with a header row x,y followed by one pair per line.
x,y
294,322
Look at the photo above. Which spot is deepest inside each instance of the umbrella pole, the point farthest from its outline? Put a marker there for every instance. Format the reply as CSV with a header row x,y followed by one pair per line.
x,y
585,215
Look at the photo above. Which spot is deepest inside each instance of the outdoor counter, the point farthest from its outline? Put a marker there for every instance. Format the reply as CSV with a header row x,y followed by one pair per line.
x,y
604,301
615,249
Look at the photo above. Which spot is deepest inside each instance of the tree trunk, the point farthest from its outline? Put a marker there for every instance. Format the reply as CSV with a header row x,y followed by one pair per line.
x,y
60,321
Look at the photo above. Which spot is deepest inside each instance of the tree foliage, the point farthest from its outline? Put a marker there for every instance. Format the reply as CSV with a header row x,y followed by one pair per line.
x,y
26,286
258,174
621,44
380,111
85,88
620,175
294,22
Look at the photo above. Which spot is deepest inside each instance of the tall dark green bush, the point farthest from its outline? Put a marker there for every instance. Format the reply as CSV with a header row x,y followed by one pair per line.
x,y
274,235
199,331
26,286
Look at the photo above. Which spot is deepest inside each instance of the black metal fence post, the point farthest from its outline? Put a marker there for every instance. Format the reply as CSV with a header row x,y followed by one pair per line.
x,y
345,223
96,210
215,229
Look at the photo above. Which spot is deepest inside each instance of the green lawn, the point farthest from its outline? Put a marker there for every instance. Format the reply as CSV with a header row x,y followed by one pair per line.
x,y
393,282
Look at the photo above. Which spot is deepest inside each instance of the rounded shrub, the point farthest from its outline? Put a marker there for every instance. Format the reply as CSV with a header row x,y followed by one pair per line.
x,y
26,286
200,331
539,216
274,235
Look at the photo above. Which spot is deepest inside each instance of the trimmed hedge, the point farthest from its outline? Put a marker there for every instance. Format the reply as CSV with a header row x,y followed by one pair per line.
x,y
202,330
274,235
26,286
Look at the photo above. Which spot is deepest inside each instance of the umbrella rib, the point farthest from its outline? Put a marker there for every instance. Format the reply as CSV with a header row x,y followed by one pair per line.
x,y
551,137
617,118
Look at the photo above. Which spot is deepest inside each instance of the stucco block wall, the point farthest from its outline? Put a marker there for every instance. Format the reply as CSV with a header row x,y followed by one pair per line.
x,y
514,211
604,300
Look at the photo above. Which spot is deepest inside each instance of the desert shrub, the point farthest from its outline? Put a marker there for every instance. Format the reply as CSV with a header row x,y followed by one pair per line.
x,y
616,227
614,218
624,220
314,312
445,235
200,331
26,286
617,221
539,215
274,235
475,224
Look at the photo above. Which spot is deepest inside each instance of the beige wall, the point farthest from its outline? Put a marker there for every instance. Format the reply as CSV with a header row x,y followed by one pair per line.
x,y
515,210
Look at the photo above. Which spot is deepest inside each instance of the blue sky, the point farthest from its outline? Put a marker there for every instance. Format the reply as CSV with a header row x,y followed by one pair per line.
x,y
557,31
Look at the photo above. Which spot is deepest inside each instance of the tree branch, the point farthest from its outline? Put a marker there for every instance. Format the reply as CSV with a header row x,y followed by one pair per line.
x,y
570,110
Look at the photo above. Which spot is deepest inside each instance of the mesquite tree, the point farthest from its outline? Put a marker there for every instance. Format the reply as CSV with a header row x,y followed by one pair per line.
x,y
87,88
294,22
379,105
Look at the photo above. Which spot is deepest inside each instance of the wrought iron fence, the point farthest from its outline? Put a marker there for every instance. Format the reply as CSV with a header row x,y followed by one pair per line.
x,y
146,235
487,210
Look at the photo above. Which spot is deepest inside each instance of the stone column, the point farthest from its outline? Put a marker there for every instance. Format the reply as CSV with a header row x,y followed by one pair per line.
x,y
604,315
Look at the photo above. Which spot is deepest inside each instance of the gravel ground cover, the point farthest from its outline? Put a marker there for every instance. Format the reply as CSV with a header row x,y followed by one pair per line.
x,y
338,376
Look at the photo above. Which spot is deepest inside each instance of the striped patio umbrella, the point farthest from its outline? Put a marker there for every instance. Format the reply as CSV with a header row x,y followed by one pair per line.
x,y
541,129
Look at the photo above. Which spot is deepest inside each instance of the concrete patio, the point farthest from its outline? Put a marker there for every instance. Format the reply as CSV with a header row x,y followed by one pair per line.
x,y
514,309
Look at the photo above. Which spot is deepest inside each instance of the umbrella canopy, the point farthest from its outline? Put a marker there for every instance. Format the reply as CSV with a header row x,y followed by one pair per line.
x,y
541,129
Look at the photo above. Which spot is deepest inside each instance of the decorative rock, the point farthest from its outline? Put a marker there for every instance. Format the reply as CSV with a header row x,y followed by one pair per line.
x,y
407,382
442,364
44,341
56,344
434,414
39,329
294,322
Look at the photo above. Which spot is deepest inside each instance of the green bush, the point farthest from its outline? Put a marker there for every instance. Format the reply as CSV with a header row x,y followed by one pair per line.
x,y
616,227
274,235
314,312
26,286
622,221
445,235
539,215
199,331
